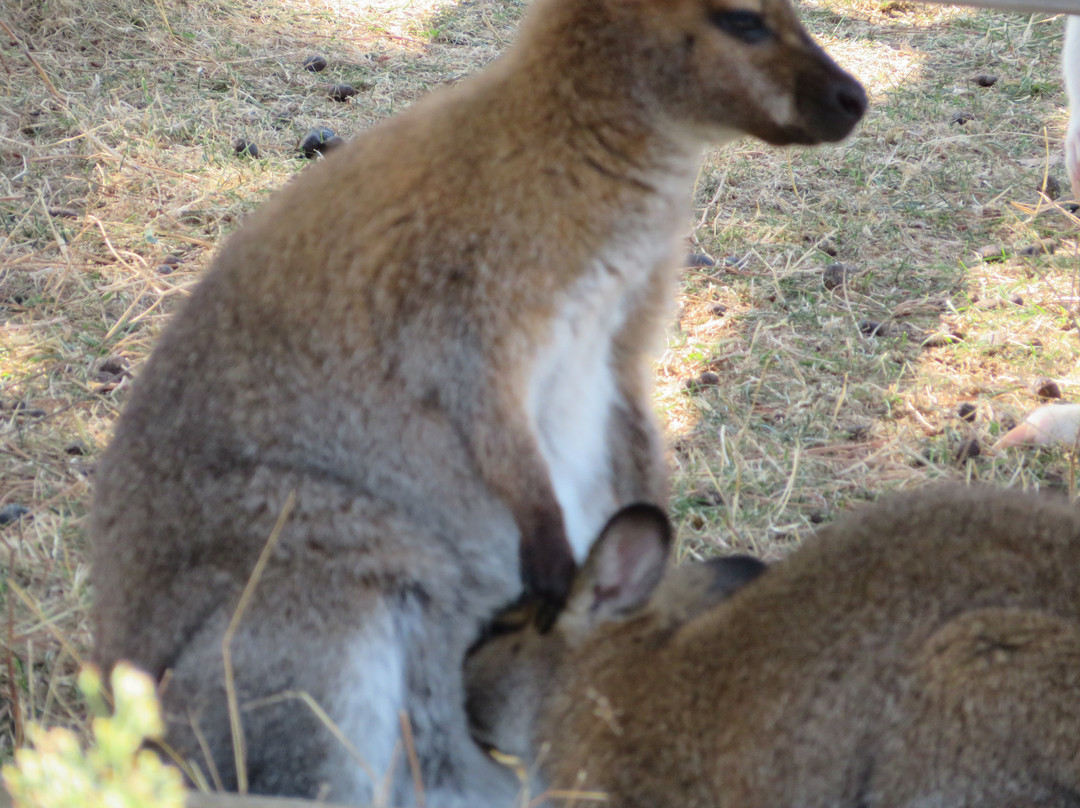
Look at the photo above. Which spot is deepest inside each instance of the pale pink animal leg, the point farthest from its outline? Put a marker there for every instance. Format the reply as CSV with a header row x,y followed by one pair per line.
x,y
1071,70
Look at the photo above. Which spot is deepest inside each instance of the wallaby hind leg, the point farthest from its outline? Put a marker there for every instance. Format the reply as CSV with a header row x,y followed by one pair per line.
x,y
990,716
281,669
322,708
360,611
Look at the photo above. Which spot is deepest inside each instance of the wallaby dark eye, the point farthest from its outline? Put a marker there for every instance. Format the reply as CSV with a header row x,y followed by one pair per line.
x,y
749,26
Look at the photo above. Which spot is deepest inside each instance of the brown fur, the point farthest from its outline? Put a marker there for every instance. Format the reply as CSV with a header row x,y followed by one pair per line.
x,y
402,337
924,651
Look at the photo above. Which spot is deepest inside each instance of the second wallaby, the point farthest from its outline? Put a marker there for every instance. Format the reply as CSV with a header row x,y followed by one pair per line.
x,y
924,651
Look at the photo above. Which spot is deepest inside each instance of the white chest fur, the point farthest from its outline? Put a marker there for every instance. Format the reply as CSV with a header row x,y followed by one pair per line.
x,y
574,389
573,392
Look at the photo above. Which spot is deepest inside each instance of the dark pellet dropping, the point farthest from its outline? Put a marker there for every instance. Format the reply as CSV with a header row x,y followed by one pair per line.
x,y
317,142
968,450
113,365
243,148
11,512
1047,388
341,92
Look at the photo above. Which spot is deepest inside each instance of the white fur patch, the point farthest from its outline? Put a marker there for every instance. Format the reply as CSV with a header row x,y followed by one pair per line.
x,y
373,693
572,395
367,710
776,102
573,386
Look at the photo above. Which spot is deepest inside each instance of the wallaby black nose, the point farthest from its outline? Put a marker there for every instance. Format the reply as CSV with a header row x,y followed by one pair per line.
x,y
840,103
830,101
851,98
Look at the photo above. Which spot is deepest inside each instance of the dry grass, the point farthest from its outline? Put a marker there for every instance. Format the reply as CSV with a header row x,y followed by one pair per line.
x,y
116,124
810,413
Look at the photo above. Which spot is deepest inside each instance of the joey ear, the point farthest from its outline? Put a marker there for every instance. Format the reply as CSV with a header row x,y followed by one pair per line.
x,y
624,565
732,573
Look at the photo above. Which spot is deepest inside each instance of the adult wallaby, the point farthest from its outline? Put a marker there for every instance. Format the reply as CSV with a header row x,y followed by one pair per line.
x,y
435,343
924,651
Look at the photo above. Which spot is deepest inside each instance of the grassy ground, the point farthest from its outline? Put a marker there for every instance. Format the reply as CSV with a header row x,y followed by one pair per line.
x,y
119,179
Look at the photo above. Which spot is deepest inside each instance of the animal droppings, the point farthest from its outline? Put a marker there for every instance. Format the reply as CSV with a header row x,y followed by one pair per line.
x,y
706,496
968,450
1046,246
1051,186
12,512
872,328
826,245
834,276
699,260
341,92
319,141
706,379
244,148
21,408
1046,389
112,366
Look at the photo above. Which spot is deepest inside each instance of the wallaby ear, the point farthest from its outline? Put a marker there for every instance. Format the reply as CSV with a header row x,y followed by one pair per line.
x,y
624,565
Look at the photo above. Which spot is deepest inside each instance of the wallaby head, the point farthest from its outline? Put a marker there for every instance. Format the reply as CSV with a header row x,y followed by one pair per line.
x,y
718,68
623,579
922,651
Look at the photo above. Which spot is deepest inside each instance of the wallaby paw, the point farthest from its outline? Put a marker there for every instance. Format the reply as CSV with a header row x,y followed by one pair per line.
x,y
547,570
